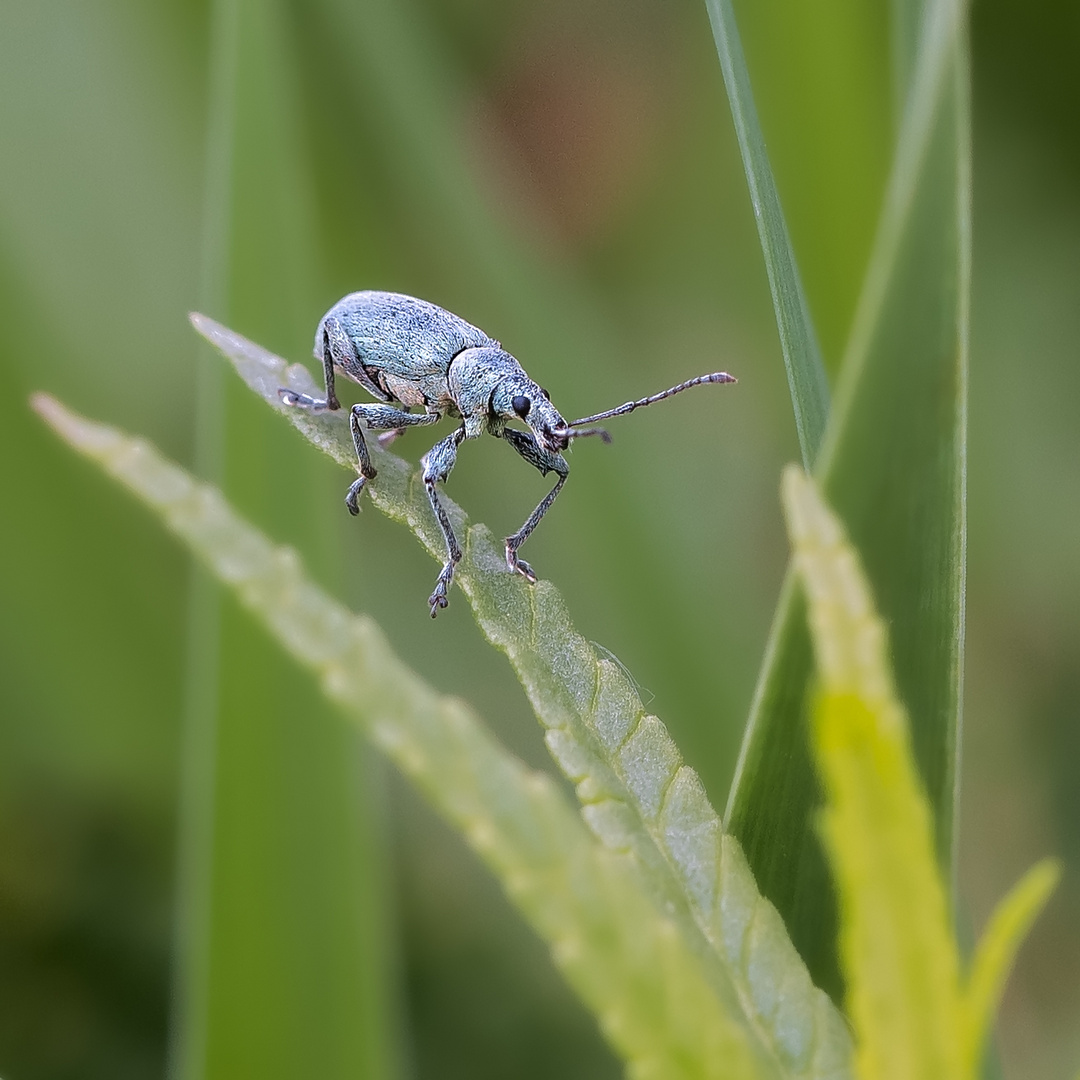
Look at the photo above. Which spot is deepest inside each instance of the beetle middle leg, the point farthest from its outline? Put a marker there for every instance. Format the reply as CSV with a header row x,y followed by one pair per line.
x,y
546,461
438,462
377,418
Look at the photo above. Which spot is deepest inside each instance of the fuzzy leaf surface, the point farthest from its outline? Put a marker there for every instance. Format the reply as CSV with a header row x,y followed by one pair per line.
x,y
654,998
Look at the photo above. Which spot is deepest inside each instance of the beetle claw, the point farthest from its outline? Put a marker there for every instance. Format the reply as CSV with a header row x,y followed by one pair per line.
x,y
352,496
519,566
437,600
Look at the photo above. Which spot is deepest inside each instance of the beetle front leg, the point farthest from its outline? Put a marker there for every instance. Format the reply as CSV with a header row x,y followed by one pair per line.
x,y
438,462
546,461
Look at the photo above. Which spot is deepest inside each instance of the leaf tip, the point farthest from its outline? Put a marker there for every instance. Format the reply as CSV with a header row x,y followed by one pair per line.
x,y
72,428
47,407
210,329
997,948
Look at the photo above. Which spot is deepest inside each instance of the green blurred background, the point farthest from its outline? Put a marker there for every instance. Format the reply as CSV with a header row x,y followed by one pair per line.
x,y
565,176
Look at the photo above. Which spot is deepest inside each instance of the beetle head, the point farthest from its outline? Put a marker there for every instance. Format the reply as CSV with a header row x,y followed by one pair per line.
x,y
518,397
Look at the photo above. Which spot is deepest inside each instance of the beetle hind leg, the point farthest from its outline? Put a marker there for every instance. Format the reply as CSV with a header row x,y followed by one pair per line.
x,y
336,349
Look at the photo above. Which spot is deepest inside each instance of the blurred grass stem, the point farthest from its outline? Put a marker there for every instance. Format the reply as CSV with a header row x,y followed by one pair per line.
x,y
188,1021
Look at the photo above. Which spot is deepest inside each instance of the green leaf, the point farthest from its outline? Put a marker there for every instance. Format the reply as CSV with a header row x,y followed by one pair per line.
x,y
656,995
893,463
802,356
997,948
637,794
912,1015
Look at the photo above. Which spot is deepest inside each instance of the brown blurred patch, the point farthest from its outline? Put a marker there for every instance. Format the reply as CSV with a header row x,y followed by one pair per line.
x,y
575,125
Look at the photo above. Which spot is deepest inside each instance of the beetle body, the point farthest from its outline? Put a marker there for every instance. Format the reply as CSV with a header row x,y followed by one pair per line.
x,y
407,350
411,354
398,348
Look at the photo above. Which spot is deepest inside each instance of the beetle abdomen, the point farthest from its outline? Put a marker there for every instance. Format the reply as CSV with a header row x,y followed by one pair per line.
x,y
400,335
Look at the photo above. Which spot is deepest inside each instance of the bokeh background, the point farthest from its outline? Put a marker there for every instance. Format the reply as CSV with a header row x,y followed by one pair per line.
x,y
565,176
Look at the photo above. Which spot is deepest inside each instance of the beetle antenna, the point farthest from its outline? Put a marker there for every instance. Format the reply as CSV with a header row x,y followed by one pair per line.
x,y
630,406
574,433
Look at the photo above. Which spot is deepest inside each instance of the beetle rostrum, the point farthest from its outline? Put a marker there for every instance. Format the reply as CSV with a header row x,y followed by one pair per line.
x,y
410,354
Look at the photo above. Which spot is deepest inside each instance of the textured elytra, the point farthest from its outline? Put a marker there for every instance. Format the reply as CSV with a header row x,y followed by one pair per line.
x,y
625,764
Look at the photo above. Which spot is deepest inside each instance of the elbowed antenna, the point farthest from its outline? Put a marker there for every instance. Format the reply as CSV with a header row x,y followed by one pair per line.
x,y
630,406
604,434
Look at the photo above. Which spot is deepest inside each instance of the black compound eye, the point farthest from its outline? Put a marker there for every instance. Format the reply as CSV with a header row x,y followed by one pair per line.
x,y
521,405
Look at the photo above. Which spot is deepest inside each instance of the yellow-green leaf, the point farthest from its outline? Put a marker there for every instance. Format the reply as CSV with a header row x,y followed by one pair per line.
x,y
896,948
913,1017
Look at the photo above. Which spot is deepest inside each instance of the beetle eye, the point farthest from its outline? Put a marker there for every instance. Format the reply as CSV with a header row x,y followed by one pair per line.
x,y
521,405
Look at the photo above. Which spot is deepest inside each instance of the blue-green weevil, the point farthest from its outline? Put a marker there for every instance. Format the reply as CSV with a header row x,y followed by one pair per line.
x,y
411,354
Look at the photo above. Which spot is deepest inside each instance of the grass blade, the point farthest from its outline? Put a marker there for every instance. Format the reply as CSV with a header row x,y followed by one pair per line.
x,y
802,356
638,796
189,1016
893,463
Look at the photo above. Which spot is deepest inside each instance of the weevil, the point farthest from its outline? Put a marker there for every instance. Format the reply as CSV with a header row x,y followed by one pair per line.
x,y
408,353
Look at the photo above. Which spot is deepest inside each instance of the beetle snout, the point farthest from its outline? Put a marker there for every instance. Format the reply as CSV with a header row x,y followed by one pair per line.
x,y
555,441
548,426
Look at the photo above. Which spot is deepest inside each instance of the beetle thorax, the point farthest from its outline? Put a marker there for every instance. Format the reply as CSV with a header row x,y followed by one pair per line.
x,y
490,386
473,376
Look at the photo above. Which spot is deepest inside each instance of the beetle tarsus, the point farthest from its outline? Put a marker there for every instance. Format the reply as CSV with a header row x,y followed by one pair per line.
x,y
519,566
352,496
437,600
305,401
